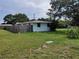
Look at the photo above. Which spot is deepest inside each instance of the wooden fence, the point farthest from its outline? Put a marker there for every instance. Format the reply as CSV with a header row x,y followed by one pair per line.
x,y
19,28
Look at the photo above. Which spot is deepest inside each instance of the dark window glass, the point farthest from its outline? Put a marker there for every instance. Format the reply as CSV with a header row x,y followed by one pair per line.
x,y
48,25
38,24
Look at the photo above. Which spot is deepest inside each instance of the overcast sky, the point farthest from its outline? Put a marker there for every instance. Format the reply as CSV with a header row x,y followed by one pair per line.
x,y
29,7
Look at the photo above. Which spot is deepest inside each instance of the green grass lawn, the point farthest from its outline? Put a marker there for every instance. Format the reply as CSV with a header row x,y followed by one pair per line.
x,y
30,45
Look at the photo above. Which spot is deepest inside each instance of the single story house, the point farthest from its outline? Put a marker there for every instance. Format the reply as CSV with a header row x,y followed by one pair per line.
x,y
30,26
40,26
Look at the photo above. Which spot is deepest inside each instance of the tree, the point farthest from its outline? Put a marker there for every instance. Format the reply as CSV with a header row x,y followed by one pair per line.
x,y
21,17
54,13
72,11
69,9
9,19
13,19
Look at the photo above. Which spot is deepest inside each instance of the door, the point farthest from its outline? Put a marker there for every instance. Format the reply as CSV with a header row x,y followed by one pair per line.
x,y
31,28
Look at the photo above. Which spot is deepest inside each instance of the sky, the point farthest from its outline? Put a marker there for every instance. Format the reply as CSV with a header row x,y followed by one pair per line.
x,y
28,7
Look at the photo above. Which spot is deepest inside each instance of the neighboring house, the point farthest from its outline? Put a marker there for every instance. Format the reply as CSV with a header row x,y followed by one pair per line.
x,y
30,26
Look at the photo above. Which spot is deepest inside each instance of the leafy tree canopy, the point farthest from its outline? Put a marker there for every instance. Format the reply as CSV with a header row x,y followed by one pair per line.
x,y
68,9
12,19
62,7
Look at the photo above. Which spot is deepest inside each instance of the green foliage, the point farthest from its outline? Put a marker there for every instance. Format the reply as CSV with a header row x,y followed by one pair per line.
x,y
75,21
65,8
9,19
54,25
21,17
53,14
73,33
12,19
63,23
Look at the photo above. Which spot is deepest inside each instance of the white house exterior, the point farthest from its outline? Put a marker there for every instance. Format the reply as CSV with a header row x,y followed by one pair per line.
x,y
40,26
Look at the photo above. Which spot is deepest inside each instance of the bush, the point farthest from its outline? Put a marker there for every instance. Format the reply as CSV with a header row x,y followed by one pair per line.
x,y
73,34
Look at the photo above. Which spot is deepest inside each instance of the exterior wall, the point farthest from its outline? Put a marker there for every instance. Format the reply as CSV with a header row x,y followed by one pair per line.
x,y
43,27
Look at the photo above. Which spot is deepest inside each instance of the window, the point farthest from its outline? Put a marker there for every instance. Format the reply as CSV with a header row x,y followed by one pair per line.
x,y
48,25
38,24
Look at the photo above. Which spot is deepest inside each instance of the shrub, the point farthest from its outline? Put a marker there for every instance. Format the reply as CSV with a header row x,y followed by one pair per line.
x,y
73,34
